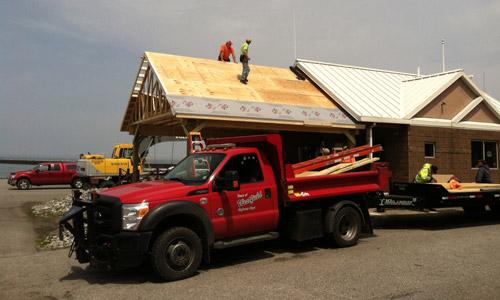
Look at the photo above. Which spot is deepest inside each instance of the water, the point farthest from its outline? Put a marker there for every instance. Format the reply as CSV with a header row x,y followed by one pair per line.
x,y
6,169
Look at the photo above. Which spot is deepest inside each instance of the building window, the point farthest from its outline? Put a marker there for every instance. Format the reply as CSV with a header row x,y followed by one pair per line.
x,y
484,150
430,150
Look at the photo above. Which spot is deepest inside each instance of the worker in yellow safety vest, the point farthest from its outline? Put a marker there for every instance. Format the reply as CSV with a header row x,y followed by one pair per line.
x,y
425,174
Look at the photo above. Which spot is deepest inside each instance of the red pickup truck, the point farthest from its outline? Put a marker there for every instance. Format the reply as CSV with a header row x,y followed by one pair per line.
x,y
49,173
243,193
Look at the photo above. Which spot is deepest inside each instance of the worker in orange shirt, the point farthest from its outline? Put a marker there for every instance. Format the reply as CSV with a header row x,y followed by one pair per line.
x,y
226,50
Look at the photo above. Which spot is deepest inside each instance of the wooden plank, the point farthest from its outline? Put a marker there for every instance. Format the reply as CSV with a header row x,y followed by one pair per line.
x,y
356,165
333,169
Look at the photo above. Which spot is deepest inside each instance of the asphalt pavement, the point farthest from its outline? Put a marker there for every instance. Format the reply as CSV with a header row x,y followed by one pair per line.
x,y
446,255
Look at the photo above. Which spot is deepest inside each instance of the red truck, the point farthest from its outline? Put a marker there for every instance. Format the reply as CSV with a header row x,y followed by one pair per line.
x,y
243,193
48,173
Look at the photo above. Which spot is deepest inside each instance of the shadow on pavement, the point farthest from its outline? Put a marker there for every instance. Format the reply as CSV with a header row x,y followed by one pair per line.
x,y
219,259
104,276
442,220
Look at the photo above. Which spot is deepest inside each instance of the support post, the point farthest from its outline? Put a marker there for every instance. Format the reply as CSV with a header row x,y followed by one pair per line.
x,y
369,136
135,157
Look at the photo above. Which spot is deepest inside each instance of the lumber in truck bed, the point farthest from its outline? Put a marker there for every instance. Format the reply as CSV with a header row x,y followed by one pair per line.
x,y
426,196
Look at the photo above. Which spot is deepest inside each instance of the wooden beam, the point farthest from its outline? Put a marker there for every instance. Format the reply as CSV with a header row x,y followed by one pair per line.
x,y
166,116
271,127
150,130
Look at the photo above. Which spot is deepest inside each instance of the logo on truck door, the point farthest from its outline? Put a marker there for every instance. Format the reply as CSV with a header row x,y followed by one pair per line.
x,y
245,202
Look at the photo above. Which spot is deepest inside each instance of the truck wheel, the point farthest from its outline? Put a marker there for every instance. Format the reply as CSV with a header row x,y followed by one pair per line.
x,y
77,183
346,227
106,184
23,184
176,253
495,209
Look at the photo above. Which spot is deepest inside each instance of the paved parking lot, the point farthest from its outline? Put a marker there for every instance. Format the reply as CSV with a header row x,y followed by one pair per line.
x,y
412,256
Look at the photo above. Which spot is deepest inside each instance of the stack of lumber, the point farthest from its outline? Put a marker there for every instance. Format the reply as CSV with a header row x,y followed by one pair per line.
x,y
465,187
339,168
471,187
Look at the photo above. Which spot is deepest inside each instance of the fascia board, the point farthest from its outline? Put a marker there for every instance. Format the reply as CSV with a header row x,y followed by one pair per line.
x,y
430,122
477,126
436,93
384,120
467,109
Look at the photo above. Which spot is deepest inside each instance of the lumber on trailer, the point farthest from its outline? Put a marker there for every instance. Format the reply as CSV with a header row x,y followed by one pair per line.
x,y
469,186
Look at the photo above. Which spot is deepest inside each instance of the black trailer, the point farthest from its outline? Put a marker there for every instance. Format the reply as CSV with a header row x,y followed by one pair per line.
x,y
430,196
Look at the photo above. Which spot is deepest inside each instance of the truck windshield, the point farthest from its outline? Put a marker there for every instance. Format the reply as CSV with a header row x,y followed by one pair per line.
x,y
196,168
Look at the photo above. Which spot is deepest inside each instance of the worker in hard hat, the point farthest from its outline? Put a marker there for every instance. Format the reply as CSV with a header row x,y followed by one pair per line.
x,y
226,50
244,58
425,174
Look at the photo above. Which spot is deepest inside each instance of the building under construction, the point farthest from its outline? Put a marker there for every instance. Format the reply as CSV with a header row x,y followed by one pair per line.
x,y
442,118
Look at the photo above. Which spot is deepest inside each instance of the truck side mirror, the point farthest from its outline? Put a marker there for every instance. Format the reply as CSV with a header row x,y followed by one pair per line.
x,y
230,181
37,170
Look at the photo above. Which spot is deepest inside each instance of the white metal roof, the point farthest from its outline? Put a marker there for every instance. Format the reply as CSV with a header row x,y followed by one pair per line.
x,y
360,91
373,95
416,93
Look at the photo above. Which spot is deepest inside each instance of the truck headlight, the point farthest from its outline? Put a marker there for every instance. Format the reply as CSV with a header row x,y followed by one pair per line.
x,y
132,215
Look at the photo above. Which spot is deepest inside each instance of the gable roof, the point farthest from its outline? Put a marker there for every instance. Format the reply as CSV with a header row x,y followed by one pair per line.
x,y
203,89
373,95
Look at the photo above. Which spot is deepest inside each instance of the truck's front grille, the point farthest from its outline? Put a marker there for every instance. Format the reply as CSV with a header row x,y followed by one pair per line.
x,y
106,215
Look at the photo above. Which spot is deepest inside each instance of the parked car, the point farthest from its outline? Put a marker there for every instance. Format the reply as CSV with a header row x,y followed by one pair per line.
x,y
50,173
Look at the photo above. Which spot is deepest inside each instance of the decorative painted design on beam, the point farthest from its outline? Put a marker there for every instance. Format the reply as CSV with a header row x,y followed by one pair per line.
x,y
255,110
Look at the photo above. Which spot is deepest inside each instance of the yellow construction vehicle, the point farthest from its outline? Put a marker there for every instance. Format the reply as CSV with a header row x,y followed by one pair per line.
x,y
97,170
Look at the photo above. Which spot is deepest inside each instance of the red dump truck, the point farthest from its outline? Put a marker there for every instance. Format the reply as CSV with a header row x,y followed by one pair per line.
x,y
236,191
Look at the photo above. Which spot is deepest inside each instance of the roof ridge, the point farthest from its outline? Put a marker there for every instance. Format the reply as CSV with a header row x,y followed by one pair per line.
x,y
434,75
354,67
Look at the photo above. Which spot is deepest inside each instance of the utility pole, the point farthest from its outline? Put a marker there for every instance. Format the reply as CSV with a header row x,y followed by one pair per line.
x,y
442,53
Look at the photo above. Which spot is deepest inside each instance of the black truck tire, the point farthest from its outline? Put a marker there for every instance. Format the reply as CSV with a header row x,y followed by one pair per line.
x,y
176,253
77,183
23,184
346,227
495,209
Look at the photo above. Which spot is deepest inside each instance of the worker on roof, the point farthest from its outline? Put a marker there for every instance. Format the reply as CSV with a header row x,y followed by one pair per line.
x,y
483,172
244,58
425,174
226,50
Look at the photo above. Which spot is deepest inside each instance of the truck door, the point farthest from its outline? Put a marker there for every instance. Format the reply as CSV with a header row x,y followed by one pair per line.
x,y
41,176
252,209
55,174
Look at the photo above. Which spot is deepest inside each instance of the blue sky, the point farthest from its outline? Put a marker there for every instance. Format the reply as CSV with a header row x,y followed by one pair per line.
x,y
67,67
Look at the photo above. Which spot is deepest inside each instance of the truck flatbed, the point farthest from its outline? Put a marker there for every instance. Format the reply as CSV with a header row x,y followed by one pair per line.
x,y
429,196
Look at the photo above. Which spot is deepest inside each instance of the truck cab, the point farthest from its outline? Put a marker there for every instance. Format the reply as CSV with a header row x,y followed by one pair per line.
x,y
226,195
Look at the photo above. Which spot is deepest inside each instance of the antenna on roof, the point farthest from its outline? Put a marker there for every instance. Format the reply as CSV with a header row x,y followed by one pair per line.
x,y
418,71
484,81
442,53
294,33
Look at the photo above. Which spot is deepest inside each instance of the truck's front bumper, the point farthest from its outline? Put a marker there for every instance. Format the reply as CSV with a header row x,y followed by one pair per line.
x,y
121,250
12,181
96,241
